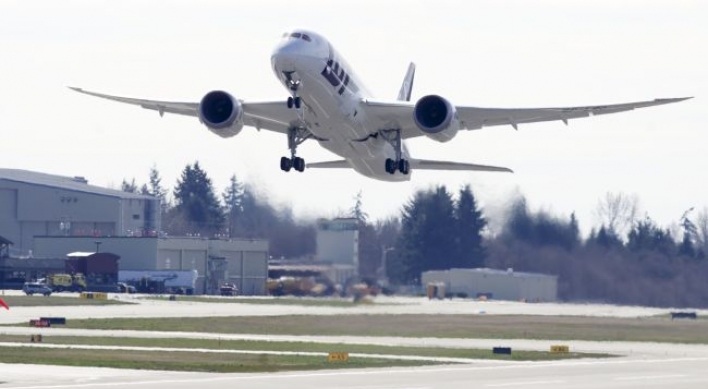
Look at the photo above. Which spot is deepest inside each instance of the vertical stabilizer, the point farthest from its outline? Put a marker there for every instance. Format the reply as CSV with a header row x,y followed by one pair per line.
x,y
407,87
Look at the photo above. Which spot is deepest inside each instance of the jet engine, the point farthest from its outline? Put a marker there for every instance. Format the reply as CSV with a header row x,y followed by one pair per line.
x,y
221,113
436,117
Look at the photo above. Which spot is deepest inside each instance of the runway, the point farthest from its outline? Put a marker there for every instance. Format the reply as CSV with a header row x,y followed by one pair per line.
x,y
639,365
687,373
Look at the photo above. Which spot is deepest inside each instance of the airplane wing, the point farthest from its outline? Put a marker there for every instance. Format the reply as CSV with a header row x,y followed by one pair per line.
x,y
271,115
400,114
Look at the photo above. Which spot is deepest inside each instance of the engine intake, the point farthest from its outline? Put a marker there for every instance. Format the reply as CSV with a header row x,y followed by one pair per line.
x,y
221,113
436,117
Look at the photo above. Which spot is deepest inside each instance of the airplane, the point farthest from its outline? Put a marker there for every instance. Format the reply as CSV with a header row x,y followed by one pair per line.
x,y
329,104
4,304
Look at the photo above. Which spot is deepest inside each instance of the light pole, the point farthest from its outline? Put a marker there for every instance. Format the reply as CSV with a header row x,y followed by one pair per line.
x,y
98,245
384,258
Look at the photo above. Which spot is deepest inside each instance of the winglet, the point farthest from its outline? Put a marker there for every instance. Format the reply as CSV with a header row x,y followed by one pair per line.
x,y
407,87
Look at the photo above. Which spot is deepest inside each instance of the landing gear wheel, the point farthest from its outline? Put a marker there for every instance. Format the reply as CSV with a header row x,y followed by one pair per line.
x,y
404,166
286,164
390,166
299,164
294,102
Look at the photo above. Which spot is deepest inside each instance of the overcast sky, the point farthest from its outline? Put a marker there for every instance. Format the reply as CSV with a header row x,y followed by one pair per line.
x,y
483,53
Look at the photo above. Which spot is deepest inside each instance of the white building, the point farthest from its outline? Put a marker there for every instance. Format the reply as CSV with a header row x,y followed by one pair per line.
x,y
496,284
338,246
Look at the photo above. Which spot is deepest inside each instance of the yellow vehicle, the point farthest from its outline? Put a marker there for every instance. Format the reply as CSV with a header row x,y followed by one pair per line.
x,y
69,282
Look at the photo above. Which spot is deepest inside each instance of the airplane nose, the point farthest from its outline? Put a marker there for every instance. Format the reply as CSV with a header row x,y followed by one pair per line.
x,y
286,55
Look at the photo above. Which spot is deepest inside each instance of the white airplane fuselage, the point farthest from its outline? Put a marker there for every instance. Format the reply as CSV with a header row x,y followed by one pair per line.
x,y
331,94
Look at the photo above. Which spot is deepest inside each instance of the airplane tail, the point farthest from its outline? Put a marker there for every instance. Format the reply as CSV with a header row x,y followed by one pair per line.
x,y
407,87
424,164
4,304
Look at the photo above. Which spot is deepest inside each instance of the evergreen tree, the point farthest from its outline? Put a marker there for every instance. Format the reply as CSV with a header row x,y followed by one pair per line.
x,y
605,238
647,236
196,201
257,217
233,198
357,211
130,187
470,225
427,240
156,189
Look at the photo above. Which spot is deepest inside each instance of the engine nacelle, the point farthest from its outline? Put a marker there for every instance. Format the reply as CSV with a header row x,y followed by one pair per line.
x,y
221,113
436,117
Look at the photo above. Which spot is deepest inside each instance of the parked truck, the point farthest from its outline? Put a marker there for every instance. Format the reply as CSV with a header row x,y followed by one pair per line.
x,y
67,282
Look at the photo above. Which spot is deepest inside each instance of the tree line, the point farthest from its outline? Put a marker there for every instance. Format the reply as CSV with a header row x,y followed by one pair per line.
x,y
239,211
626,259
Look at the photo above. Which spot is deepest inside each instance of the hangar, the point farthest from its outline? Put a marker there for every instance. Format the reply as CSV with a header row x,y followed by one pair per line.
x,y
496,284
33,203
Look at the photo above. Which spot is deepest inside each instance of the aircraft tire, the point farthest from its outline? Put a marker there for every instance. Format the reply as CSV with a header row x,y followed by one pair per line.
x,y
286,164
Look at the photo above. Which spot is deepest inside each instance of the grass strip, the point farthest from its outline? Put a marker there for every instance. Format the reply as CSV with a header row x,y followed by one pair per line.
x,y
55,301
648,329
250,345
186,361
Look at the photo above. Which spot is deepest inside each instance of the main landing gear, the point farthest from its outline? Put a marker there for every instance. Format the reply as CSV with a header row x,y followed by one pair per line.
x,y
393,137
296,136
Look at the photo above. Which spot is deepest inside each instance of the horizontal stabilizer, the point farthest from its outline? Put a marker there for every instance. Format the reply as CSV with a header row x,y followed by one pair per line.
x,y
423,164
341,164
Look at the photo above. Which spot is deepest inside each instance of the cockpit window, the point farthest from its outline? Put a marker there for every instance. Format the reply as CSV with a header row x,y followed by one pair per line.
x,y
298,35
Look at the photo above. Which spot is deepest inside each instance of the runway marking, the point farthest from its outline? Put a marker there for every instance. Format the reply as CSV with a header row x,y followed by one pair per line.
x,y
524,383
650,377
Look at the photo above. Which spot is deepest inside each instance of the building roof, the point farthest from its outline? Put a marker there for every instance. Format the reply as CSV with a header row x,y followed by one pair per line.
x,y
77,184
4,241
509,272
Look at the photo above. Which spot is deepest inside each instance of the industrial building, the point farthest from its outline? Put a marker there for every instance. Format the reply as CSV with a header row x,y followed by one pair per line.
x,y
496,284
33,204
